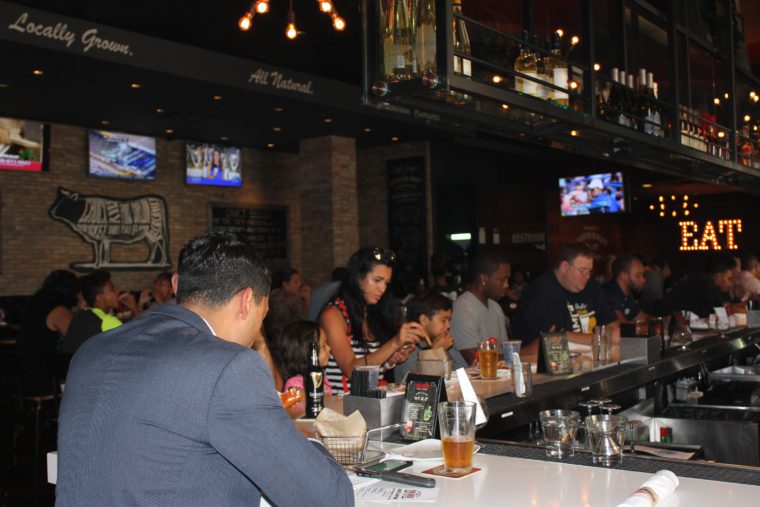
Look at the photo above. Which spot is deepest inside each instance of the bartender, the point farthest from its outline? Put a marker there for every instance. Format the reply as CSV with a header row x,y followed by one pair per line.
x,y
701,292
564,299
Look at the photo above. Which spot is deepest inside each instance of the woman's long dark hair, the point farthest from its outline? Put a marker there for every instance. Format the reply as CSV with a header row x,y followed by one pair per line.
x,y
380,316
60,288
290,348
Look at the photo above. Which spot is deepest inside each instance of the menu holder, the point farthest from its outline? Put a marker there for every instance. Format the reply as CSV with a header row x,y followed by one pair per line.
x,y
419,414
556,353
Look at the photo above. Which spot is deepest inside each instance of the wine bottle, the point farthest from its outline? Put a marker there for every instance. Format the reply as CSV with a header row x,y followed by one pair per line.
x,y
314,383
526,64
401,41
559,75
656,114
424,42
642,103
542,92
462,45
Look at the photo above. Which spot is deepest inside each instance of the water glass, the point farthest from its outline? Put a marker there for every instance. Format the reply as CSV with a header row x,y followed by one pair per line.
x,y
525,388
507,348
456,420
559,429
605,436
600,350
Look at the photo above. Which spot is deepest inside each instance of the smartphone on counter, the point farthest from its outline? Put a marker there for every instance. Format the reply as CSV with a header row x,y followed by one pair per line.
x,y
386,466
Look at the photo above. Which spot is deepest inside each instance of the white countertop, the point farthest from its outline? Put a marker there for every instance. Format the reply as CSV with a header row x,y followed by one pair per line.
x,y
519,482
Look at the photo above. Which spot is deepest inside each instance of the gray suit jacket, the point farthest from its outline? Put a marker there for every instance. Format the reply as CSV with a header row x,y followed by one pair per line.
x,y
159,412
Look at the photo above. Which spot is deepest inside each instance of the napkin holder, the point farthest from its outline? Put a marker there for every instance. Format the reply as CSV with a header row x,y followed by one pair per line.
x,y
376,411
753,318
640,350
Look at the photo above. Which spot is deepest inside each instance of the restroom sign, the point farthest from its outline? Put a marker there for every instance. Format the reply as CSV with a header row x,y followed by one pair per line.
x,y
701,237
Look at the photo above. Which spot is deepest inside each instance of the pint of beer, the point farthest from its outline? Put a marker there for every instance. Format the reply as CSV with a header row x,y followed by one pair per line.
x,y
457,423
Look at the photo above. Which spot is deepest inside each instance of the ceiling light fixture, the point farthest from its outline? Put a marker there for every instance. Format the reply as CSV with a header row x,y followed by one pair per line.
x,y
276,129
217,97
37,72
135,86
270,145
291,31
327,120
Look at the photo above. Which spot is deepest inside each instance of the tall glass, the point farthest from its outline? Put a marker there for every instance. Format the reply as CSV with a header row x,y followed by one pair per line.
x,y
457,422
487,356
600,346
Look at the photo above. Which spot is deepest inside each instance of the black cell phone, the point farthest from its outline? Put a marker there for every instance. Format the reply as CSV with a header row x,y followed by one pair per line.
x,y
387,466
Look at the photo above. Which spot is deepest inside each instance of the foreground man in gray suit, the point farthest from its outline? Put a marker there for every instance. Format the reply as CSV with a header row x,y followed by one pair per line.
x,y
175,409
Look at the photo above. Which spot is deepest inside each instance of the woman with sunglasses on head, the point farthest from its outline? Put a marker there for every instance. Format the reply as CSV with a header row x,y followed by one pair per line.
x,y
360,320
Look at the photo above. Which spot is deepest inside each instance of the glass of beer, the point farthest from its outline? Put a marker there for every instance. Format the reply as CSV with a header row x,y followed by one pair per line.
x,y
457,422
487,355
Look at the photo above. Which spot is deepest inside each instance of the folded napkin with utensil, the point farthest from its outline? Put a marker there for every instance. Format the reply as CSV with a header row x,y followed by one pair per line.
x,y
654,490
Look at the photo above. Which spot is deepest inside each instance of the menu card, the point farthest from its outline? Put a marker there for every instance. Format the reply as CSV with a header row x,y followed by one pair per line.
x,y
556,353
420,412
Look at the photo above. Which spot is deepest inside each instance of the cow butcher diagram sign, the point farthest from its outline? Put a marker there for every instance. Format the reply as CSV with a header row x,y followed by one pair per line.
x,y
102,221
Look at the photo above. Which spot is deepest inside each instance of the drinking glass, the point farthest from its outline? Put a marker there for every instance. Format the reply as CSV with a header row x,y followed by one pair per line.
x,y
507,348
457,423
605,436
487,355
525,388
559,429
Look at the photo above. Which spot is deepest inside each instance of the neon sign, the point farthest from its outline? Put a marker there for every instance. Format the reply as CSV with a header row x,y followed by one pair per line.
x,y
691,240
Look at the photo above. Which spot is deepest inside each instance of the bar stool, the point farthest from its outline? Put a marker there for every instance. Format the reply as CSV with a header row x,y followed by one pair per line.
x,y
37,401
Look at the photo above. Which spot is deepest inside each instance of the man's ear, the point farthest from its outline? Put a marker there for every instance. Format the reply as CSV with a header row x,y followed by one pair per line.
x,y
483,279
247,304
175,283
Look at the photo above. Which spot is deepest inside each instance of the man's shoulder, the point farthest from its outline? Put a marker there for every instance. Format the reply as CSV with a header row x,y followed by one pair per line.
x,y
611,289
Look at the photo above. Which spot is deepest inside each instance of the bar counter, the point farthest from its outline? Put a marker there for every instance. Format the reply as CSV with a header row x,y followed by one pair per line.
x,y
515,481
566,391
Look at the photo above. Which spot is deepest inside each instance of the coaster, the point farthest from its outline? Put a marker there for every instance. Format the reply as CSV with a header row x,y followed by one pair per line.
x,y
451,475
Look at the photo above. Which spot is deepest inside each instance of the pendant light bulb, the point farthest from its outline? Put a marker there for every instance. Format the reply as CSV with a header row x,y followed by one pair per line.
x,y
291,32
245,22
325,6
262,6
338,22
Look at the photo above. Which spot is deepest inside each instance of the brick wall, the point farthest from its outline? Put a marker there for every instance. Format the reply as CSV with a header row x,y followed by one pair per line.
x,y
32,243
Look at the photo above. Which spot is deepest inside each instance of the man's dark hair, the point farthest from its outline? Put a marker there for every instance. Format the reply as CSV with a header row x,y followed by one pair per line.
x,y
571,252
749,261
429,304
623,265
659,262
486,262
215,267
164,276
92,284
720,263
338,274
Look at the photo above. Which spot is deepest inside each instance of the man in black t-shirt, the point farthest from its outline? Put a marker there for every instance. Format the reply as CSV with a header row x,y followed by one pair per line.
x,y
700,293
563,299
620,292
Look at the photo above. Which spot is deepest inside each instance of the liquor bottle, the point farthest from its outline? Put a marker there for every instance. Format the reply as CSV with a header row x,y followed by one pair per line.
x,y
462,45
542,92
526,64
558,73
614,99
630,107
400,32
656,114
642,104
424,42
314,383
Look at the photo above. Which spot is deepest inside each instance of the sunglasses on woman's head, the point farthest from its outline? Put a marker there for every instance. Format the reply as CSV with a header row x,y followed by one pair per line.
x,y
384,255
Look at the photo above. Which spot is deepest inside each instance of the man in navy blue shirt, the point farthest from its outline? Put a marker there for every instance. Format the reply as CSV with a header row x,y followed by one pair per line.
x,y
620,293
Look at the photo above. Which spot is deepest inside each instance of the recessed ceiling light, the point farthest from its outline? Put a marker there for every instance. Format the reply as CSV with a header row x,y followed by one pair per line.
x,y
217,97
224,138
37,72
136,85
394,138
4,85
327,120
646,185
104,122
276,129
573,133
169,131
367,129
278,109
505,106
270,145
160,110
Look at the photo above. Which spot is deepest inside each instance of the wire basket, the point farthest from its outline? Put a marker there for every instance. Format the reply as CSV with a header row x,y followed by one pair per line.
x,y
353,450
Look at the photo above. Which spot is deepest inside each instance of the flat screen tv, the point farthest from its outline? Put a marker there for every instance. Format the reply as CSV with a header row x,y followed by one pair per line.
x,y
121,155
23,145
213,164
593,194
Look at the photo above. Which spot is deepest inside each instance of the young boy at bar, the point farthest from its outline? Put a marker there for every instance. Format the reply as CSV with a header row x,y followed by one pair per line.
x,y
433,311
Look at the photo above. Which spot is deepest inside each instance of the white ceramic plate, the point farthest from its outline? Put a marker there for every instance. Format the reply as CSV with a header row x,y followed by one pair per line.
x,y
424,450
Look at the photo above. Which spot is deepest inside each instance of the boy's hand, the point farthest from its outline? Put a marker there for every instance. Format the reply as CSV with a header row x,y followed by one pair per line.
x,y
443,341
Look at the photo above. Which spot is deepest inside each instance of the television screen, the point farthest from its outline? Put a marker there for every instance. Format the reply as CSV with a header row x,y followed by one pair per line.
x,y
592,194
120,155
213,164
23,144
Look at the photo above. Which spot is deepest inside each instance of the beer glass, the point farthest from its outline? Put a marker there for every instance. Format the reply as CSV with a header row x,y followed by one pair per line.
x,y
487,356
457,422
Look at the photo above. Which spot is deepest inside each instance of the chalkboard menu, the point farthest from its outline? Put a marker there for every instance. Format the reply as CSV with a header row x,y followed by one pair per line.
x,y
407,214
264,228
556,353
420,412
